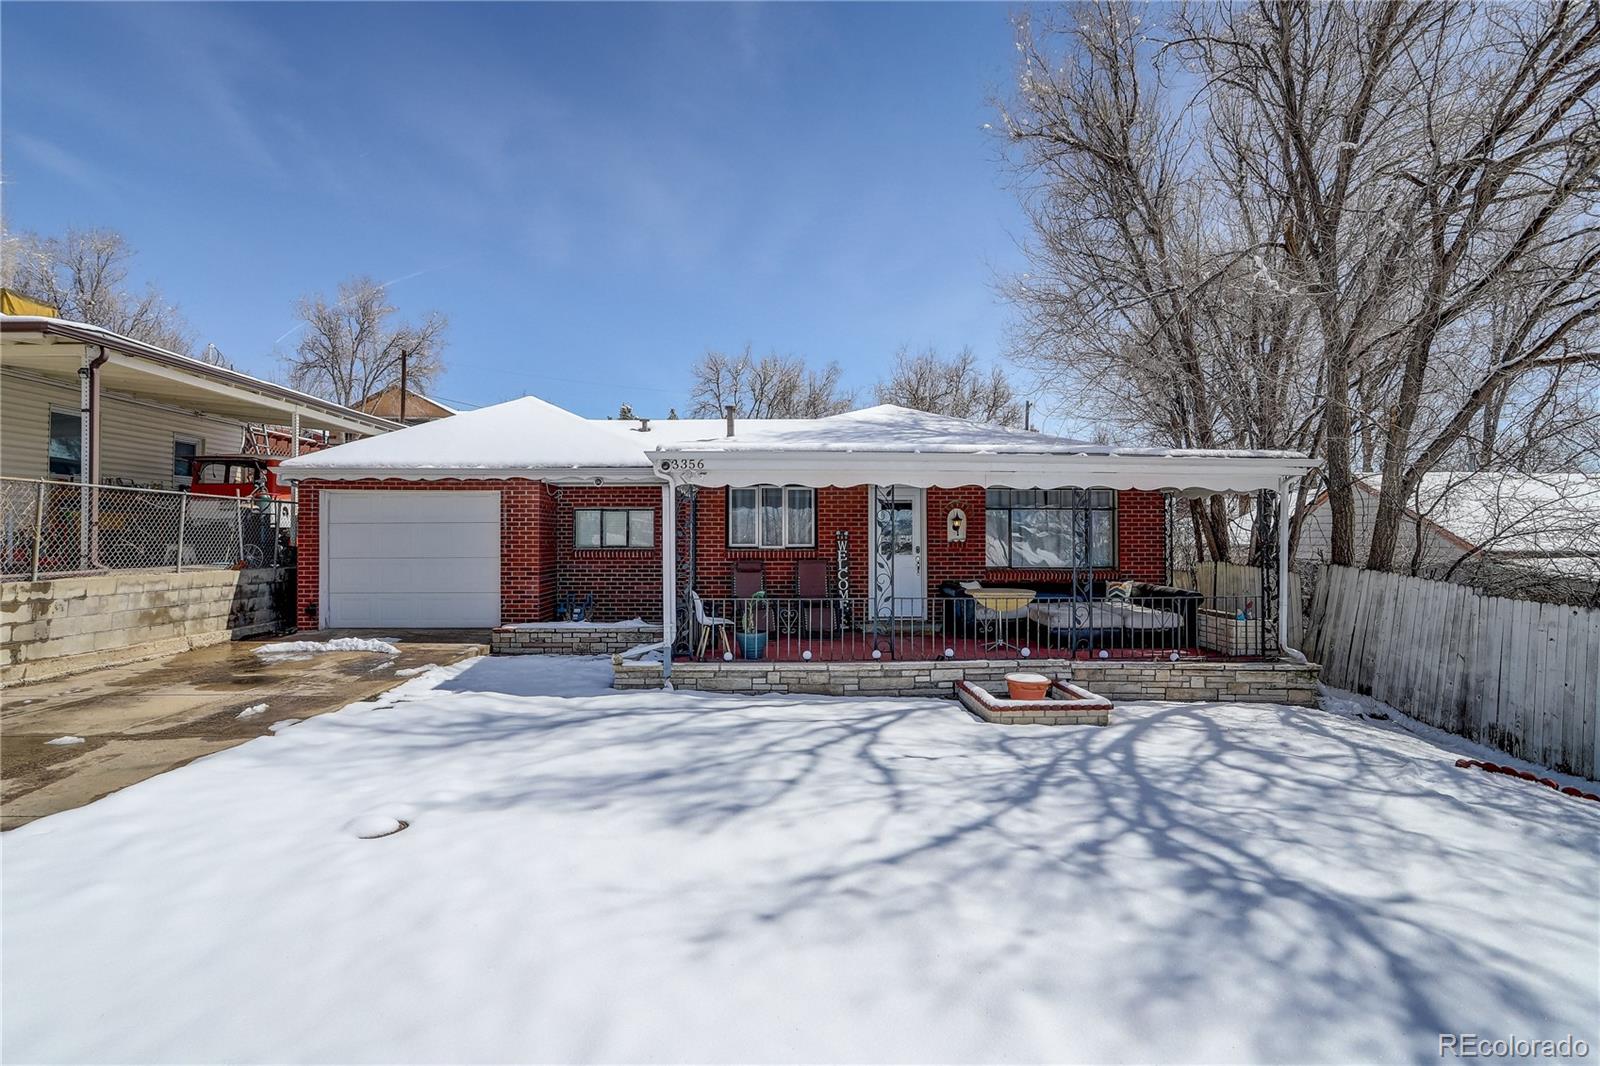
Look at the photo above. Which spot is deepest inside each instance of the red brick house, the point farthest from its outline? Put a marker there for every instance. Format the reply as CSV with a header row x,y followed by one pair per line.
x,y
527,513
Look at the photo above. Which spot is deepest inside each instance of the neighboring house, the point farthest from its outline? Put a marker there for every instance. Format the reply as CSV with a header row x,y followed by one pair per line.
x,y
508,513
1526,535
413,411
102,560
155,409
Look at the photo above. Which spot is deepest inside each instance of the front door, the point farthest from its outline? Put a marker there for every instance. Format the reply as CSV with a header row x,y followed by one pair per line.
x,y
900,584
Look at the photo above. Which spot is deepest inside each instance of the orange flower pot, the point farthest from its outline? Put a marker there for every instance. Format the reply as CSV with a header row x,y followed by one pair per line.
x,y
1027,686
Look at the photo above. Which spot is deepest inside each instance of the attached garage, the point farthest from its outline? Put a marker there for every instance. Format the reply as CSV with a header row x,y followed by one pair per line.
x,y
414,559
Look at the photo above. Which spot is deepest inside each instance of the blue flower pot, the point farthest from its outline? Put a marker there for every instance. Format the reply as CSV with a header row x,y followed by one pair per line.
x,y
752,645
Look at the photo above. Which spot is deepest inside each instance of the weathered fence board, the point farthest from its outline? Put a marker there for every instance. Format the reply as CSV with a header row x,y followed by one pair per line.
x,y
1523,677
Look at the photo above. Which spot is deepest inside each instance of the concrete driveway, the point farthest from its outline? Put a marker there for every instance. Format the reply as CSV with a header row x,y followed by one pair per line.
x,y
146,718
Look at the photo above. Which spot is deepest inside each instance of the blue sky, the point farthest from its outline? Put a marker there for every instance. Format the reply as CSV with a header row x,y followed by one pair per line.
x,y
594,195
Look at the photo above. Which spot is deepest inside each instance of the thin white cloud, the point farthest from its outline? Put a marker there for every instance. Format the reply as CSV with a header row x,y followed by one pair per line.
x,y
298,326
62,163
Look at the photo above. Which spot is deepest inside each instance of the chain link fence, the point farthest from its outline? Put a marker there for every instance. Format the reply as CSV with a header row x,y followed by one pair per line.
x,y
49,528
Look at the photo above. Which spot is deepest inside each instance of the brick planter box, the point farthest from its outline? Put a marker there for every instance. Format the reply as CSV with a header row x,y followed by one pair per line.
x,y
1064,704
1221,631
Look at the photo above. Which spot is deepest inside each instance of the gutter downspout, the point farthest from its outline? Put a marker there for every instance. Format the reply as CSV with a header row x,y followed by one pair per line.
x,y
1284,516
89,456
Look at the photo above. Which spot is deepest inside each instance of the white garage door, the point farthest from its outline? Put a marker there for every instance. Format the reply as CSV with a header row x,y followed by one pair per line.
x,y
425,559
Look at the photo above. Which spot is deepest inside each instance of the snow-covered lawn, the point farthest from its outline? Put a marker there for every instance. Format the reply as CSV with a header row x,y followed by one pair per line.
x,y
595,875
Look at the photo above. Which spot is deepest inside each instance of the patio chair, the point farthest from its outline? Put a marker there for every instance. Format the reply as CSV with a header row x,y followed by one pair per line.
x,y
708,624
749,578
818,614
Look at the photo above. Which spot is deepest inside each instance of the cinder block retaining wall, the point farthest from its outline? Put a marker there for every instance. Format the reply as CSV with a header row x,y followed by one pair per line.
x,y
570,640
1200,680
55,627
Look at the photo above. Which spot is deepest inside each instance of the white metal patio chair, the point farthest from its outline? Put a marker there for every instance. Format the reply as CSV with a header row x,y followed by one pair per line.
x,y
708,624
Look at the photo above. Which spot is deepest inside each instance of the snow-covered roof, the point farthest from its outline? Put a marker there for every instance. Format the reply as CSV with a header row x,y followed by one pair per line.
x,y
884,445
519,438
888,428
1543,514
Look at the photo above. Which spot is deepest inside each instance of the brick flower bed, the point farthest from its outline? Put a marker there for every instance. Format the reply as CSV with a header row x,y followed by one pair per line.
x,y
1064,704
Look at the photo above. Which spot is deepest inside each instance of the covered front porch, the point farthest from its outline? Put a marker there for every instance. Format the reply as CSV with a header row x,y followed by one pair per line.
x,y
1031,550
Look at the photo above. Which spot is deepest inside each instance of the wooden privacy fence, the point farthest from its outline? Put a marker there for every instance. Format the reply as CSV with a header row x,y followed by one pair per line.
x,y
1238,583
1520,676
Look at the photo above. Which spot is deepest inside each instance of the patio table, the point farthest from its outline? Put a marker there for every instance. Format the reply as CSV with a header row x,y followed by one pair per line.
x,y
998,606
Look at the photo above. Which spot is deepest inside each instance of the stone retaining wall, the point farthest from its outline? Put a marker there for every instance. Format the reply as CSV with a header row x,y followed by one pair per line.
x,y
570,640
54,627
1199,680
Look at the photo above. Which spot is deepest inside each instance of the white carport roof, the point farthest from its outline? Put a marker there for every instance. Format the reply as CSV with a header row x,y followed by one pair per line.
x,y
879,445
54,347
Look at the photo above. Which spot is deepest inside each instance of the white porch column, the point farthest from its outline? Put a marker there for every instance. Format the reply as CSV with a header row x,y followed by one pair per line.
x,y
294,489
85,446
669,576
1285,512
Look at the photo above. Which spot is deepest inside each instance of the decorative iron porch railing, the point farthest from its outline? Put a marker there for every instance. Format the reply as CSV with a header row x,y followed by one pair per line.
x,y
992,627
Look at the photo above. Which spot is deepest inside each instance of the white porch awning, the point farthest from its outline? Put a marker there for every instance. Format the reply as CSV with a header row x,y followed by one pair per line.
x,y
894,446
1184,475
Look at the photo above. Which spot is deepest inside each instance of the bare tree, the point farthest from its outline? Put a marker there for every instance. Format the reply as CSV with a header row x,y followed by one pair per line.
x,y
958,386
1140,308
1361,229
84,275
351,345
773,386
1441,162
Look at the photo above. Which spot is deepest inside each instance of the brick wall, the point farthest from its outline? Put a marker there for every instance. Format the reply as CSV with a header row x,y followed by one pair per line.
x,y
625,582
539,562
959,560
837,508
1142,535
527,542
1141,546
1141,541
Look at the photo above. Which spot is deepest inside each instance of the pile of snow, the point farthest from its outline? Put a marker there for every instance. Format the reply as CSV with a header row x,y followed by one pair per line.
x,y
304,649
65,740
649,876
252,711
279,726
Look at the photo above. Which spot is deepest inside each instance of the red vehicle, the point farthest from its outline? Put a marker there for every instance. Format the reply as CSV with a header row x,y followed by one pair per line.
x,y
264,534
239,476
